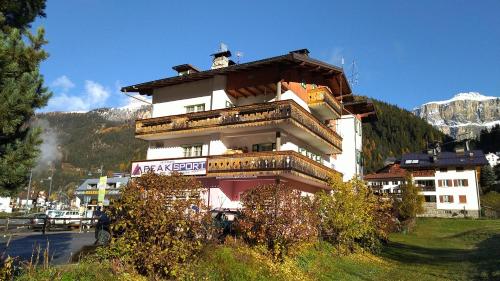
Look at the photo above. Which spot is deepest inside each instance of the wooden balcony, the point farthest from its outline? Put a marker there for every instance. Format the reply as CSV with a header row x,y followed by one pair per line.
x,y
277,163
286,115
322,102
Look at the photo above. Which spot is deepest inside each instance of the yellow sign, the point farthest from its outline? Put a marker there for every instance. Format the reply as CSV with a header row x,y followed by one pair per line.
x,y
102,188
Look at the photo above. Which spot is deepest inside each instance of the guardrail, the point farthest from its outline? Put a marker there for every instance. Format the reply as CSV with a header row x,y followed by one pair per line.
x,y
12,223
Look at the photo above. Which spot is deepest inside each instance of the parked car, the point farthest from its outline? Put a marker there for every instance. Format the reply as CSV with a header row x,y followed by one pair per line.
x,y
52,213
37,220
66,217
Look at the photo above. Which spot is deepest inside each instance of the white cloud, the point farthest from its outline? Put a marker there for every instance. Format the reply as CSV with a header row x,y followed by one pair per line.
x,y
63,82
94,95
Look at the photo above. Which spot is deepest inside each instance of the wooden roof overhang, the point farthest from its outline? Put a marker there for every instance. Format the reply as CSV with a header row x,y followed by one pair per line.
x,y
261,76
362,108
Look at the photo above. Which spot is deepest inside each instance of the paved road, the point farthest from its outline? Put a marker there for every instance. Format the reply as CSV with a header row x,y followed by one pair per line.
x,y
62,245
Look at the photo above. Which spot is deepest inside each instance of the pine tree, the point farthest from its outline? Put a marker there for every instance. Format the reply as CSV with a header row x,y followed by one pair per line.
x,y
21,90
487,179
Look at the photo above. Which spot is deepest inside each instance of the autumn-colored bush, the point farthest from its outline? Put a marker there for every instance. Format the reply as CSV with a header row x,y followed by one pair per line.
x,y
410,204
351,216
276,216
159,224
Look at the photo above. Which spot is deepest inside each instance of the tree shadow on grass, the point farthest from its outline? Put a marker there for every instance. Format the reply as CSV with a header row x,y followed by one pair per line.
x,y
484,258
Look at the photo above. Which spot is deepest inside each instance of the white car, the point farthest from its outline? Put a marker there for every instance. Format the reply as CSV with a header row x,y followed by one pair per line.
x,y
66,217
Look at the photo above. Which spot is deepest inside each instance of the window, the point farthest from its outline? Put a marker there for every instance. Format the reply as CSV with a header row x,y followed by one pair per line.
x,y
461,183
157,144
195,108
229,104
303,84
460,169
430,198
264,147
394,182
446,198
309,154
462,199
192,150
443,170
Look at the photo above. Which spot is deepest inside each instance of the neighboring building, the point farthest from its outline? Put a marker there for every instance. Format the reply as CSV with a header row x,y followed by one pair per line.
x,y
388,179
87,193
493,159
289,118
5,205
449,181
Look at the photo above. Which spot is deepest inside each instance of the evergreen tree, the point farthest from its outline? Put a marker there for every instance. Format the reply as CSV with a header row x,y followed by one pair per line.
x,y
487,179
21,89
411,203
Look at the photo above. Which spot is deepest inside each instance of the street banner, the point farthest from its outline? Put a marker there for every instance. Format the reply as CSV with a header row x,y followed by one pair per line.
x,y
190,166
101,186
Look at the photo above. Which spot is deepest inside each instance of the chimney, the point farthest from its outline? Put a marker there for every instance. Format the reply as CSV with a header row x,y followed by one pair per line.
x,y
304,52
184,69
221,59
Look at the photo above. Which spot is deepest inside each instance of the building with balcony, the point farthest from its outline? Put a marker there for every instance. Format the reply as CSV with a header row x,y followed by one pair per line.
x,y
388,179
449,180
236,126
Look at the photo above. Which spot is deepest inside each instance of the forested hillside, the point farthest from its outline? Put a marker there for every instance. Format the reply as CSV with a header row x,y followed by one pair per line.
x,y
397,131
78,144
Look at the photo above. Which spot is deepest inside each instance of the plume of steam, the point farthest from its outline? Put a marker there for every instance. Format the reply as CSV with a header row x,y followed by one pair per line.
x,y
49,149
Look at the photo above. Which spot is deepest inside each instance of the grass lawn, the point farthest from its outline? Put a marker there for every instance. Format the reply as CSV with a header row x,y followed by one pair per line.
x,y
447,249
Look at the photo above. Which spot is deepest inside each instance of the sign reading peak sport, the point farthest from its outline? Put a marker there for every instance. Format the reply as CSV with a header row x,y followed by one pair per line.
x,y
193,166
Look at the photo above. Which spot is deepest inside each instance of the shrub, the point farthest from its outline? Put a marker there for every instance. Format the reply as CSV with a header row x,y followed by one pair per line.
x,y
276,216
159,224
411,203
351,216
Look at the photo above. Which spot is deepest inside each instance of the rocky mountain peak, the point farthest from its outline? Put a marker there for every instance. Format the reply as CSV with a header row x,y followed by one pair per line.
x,y
462,116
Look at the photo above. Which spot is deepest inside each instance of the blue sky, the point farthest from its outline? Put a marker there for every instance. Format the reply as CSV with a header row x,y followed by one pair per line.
x,y
407,52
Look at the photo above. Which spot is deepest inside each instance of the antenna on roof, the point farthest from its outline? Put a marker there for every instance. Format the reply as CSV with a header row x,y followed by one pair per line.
x,y
239,54
354,76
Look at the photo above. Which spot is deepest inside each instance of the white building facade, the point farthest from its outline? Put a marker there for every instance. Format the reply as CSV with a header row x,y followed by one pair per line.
x,y
238,126
449,182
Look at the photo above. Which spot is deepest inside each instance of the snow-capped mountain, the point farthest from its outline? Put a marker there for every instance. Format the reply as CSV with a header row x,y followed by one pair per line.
x,y
126,113
462,116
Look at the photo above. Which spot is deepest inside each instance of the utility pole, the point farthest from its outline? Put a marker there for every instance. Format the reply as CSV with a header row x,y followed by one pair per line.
x,y
29,188
51,178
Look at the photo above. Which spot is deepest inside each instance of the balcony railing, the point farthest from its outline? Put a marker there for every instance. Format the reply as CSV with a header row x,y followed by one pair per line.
x,y
262,114
268,163
324,95
427,188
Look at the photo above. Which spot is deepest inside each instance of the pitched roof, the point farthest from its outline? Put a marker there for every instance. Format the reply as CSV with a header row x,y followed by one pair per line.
x,y
391,171
443,159
294,57
123,180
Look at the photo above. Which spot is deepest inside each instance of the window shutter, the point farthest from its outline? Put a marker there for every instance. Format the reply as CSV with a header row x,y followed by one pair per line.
x,y
455,182
466,182
462,199
440,183
441,200
449,183
450,198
